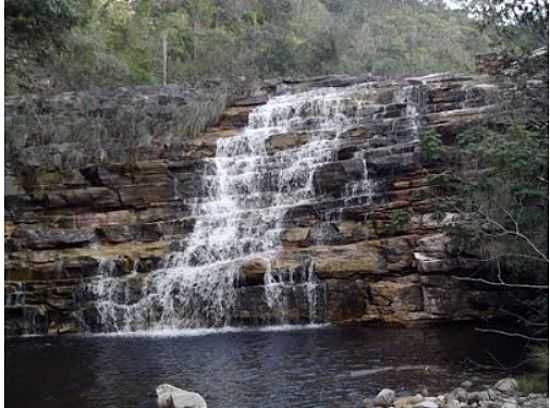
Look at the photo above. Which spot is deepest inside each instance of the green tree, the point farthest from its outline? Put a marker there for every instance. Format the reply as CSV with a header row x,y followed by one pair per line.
x,y
515,26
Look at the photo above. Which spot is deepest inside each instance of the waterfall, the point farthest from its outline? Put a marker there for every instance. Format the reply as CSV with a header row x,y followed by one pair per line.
x,y
254,185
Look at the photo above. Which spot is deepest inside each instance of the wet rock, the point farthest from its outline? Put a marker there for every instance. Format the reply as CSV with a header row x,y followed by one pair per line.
x,y
472,397
466,384
427,404
286,141
507,386
332,178
488,395
133,232
459,394
408,402
348,260
371,263
400,297
41,237
384,398
252,272
169,396
295,236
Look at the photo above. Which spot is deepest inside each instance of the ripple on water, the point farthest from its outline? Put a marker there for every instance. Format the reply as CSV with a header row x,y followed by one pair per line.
x,y
271,368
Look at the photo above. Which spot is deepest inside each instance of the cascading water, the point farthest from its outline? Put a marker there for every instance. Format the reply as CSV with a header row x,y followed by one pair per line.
x,y
254,185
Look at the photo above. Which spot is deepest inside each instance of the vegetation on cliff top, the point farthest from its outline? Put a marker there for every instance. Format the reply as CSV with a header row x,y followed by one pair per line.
x,y
97,43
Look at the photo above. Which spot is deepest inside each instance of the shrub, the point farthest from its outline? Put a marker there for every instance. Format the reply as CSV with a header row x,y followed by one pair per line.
x,y
537,380
431,145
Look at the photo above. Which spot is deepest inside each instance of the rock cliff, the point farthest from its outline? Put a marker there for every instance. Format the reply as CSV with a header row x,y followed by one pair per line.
x,y
71,220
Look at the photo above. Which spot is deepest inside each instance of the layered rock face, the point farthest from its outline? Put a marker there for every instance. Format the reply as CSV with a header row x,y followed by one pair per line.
x,y
306,202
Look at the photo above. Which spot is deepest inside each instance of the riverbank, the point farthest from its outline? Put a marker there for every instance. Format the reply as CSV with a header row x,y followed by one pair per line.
x,y
503,394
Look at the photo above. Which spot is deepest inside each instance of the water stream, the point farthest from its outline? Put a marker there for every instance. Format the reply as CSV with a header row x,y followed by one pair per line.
x,y
268,168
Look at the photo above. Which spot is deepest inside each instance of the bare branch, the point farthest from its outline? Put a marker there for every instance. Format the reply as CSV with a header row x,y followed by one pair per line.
x,y
502,284
525,321
511,255
516,233
511,334
500,367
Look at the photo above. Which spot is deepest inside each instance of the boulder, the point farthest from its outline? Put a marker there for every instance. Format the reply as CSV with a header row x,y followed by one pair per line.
x,y
472,397
459,394
169,396
408,402
384,398
452,404
487,395
427,404
507,386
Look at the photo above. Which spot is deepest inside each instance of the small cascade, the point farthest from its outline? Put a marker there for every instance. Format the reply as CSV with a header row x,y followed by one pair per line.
x,y
261,173
412,96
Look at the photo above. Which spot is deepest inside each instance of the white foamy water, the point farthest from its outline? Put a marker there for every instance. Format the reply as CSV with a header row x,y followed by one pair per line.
x,y
212,331
240,219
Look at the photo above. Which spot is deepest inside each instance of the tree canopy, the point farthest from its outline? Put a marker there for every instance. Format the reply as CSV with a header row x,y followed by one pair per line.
x,y
118,42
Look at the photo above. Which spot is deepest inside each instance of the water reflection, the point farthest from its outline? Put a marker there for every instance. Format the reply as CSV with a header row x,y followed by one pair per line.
x,y
309,368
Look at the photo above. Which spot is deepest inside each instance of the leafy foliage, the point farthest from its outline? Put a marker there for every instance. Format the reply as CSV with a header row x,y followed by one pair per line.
x,y
537,380
41,16
118,42
515,26
502,186
431,144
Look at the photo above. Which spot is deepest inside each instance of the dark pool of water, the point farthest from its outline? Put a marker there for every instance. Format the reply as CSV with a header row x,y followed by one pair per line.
x,y
322,367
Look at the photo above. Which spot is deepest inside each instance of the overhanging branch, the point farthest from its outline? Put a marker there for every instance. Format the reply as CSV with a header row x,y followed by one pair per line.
x,y
501,284
512,334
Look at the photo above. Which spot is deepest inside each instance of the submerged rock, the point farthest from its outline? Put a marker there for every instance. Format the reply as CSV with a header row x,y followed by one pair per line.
x,y
169,396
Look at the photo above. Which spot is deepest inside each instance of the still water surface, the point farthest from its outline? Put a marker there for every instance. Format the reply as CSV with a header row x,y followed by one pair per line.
x,y
314,367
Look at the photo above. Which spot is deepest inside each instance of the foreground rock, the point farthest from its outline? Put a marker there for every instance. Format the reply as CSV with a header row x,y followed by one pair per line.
x,y
504,394
169,396
384,398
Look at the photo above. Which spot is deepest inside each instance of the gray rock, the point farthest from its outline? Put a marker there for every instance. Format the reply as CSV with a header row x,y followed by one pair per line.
x,y
536,401
466,384
452,404
427,404
367,403
489,404
407,402
384,398
507,386
509,405
169,396
488,395
458,394
472,397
